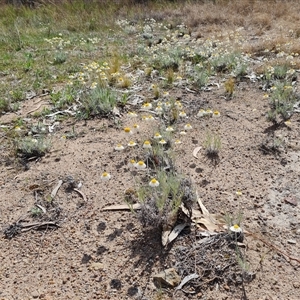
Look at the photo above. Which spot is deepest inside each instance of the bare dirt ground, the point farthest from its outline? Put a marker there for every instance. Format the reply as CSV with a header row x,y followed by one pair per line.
x,y
96,254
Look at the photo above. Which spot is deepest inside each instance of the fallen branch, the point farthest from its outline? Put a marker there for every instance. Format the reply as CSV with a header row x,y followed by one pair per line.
x,y
123,207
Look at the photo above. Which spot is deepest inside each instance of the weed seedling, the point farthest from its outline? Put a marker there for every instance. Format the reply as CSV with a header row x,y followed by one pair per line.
x,y
229,86
212,144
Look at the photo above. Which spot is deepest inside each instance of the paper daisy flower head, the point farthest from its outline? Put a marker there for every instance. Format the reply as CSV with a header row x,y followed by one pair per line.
x,y
159,109
169,129
288,123
140,165
239,193
167,105
162,142
147,105
265,96
127,130
188,127
216,114
178,104
157,136
235,228
147,145
132,163
201,113
132,114
131,144
105,176
153,182
165,94
150,118
208,112
119,147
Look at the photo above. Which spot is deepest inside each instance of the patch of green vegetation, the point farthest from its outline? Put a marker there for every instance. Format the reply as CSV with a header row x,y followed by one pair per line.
x,y
212,144
64,98
97,102
59,58
162,197
28,147
283,97
4,105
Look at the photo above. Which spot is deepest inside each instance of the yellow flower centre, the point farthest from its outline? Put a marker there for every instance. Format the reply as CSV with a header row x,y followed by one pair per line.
x,y
127,129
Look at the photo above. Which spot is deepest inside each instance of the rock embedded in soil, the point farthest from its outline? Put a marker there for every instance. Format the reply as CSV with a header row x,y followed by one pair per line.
x,y
168,277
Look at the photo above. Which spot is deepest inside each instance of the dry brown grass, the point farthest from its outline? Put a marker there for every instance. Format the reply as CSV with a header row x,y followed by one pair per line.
x,y
203,16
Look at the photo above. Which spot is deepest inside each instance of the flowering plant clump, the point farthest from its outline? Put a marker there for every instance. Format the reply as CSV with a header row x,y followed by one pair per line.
x,y
159,208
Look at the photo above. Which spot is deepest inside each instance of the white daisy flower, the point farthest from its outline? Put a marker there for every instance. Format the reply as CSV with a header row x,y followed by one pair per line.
x,y
159,109
238,193
201,113
131,144
147,105
208,112
127,130
169,129
105,176
119,147
150,118
147,145
216,114
140,165
235,228
162,142
188,127
165,94
157,135
154,183
132,163
178,104
132,114
167,105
